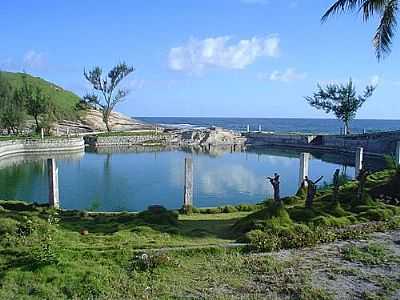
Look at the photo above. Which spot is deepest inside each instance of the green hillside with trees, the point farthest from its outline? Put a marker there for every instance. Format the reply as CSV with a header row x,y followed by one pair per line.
x,y
65,101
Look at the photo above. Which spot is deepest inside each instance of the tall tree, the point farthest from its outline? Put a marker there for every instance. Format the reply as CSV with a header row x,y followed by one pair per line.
x,y
386,10
37,103
12,113
106,92
341,99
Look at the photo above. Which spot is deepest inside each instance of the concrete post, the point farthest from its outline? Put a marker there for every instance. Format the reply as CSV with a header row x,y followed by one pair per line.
x,y
398,153
67,132
359,161
42,133
248,128
188,187
57,131
304,166
259,128
54,199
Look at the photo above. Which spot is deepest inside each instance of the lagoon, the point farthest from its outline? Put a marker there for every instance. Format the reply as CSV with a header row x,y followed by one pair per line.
x,y
131,179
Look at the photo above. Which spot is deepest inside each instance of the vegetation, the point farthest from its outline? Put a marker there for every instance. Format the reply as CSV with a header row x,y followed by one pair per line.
x,y
387,11
23,96
48,254
341,100
11,114
106,92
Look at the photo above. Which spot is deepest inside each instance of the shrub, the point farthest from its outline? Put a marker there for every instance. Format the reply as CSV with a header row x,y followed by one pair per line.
x,y
8,225
161,218
229,209
148,262
377,214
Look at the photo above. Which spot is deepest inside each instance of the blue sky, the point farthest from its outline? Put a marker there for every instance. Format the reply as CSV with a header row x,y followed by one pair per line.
x,y
226,58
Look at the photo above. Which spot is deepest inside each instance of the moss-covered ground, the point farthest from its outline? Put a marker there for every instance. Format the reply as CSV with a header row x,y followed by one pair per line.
x,y
159,254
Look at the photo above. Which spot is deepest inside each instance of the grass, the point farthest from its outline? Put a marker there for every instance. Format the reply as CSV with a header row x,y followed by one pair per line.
x,y
65,101
48,254
371,254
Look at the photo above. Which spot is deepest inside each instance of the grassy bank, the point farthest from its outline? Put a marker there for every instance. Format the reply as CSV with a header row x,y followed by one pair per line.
x,y
48,254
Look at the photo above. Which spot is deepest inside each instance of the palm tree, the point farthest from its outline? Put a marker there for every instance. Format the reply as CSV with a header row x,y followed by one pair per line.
x,y
386,10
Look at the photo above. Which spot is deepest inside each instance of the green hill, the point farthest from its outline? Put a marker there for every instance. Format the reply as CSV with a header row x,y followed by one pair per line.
x,y
65,101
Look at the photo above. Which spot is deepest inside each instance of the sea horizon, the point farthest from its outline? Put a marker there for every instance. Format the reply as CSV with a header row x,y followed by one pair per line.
x,y
279,125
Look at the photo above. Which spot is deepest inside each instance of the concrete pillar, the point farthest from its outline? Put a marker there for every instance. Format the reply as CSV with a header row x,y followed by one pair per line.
x,y
304,166
248,128
398,153
42,133
54,198
188,187
359,161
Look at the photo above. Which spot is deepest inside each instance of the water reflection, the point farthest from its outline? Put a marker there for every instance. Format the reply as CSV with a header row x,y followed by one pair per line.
x,y
132,178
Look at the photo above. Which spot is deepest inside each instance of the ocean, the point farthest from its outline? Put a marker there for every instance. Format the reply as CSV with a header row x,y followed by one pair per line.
x,y
279,125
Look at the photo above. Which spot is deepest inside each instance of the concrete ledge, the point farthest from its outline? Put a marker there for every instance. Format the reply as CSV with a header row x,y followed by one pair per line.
x,y
128,140
15,147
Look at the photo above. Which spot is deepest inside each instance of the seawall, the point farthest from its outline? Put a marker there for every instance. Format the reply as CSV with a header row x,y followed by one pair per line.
x,y
382,143
129,140
56,145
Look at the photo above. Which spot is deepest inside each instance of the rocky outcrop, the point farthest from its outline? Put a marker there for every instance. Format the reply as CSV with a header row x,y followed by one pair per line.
x,y
211,136
92,121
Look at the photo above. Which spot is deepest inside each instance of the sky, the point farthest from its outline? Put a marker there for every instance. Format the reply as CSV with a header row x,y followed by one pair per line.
x,y
202,58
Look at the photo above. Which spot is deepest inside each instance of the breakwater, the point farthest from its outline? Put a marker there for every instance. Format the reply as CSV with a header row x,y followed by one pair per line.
x,y
382,143
31,146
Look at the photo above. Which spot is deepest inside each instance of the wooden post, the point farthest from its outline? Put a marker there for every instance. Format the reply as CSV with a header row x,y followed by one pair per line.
x,y
54,200
398,153
304,166
188,187
359,161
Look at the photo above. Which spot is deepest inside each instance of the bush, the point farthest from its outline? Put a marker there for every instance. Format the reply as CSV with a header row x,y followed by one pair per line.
x,y
148,262
229,209
8,225
160,218
377,214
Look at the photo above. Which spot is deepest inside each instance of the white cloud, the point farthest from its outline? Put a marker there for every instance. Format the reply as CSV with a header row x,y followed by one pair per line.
x,y
289,75
375,80
196,54
33,59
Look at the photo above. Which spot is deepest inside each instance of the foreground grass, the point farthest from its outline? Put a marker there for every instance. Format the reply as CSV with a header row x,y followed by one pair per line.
x,y
47,254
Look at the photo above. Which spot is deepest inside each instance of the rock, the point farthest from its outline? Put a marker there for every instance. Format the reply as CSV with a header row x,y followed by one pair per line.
x,y
212,136
84,231
92,121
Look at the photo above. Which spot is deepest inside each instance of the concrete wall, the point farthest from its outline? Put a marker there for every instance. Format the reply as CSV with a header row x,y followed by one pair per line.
x,y
14,147
384,142
99,141
373,143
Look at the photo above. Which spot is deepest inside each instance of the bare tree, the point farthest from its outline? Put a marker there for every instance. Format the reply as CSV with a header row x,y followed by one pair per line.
x,y
106,92
275,184
311,190
362,180
336,185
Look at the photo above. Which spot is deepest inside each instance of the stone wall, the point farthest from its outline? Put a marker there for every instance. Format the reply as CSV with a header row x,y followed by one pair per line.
x,y
384,142
373,143
128,140
13,147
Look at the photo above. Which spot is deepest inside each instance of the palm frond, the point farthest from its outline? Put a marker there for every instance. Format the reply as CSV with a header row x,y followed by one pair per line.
x,y
371,7
341,6
385,32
